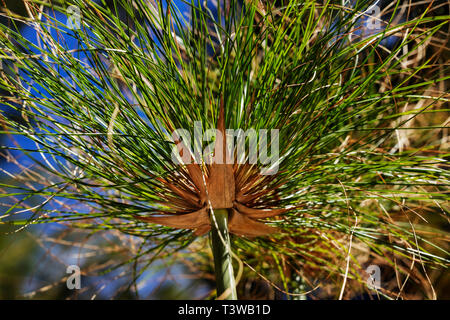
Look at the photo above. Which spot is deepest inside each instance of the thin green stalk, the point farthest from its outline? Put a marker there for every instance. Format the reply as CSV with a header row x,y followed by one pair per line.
x,y
222,255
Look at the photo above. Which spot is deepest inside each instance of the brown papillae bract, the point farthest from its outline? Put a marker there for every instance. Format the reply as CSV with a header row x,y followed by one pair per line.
x,y
220,186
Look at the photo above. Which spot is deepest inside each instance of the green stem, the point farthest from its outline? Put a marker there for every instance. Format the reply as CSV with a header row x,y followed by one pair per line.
x,y
222,256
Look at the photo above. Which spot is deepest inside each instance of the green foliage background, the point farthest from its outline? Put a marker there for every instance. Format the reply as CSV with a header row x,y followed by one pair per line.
x,y
363,134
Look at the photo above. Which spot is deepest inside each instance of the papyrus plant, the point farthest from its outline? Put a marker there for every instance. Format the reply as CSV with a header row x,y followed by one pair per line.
x,y
102,99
